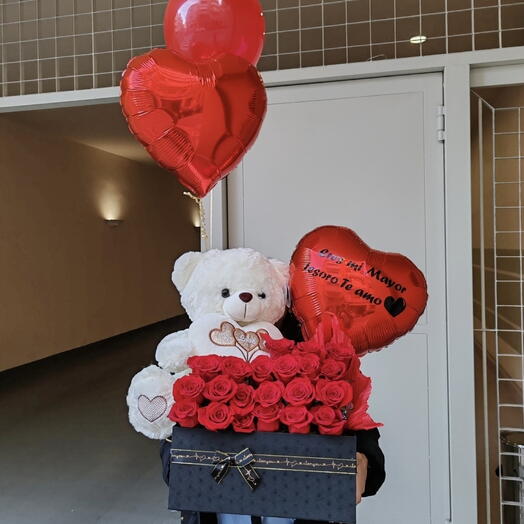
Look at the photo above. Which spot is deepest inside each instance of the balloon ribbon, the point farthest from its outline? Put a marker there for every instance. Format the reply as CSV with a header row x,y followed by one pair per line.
x,y
201,212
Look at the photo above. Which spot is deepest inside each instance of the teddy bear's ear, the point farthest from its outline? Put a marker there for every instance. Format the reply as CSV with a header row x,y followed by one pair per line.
x,y
282,268
184,267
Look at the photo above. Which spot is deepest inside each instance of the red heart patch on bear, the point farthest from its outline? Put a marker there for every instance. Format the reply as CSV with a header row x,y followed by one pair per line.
x,y
196,120
376,296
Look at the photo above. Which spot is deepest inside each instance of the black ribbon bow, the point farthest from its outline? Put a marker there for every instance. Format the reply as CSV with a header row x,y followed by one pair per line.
x,y
243,461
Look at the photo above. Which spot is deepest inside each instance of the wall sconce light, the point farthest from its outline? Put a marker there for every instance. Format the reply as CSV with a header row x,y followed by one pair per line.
x,y
110,201
112,222
195,217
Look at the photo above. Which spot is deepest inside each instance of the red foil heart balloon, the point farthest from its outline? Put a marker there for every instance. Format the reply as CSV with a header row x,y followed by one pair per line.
x,y
200,30
196,120
377,296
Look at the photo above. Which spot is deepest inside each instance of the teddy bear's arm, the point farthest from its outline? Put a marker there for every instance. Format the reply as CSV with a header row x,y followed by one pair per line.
x,y
173,351
149,400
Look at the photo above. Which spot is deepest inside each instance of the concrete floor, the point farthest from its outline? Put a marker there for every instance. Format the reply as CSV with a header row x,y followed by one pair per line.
x,y
67,451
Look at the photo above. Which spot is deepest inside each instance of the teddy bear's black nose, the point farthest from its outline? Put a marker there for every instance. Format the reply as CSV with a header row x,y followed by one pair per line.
x,y
245,297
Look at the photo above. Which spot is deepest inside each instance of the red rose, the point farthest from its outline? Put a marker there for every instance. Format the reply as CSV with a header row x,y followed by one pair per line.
x,y
329,421
220,389
268,417
341,351
334,393
262,367
299,392
184,413
308,365
285,367
269,393
311,346
237,368
333,369
244,423
243,402
278,346
216,415
207,366
296,418
188,387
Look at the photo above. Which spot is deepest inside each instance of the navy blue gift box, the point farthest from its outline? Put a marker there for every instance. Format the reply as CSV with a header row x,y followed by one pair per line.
x,y
264,474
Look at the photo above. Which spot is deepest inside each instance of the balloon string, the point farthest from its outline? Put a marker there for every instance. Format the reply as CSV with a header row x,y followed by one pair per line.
x,y
201,212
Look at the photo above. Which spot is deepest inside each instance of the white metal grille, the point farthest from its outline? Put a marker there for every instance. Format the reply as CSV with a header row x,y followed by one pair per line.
x,y
499,304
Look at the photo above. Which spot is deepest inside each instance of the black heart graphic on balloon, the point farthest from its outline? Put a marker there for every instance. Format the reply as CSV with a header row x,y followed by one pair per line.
x,y
394,307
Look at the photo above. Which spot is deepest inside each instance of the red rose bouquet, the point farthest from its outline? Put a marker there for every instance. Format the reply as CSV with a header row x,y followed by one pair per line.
x,y
316,383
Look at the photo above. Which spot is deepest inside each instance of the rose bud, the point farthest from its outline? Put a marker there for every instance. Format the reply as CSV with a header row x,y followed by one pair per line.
x,y
207,366
278,346
220,389
244,400
214,416
285,367
244,423
337,393
311,346
299,392
184,413
333,369
269,393
262,367
308,365
329,421
188,387
268,417
296,418
237,368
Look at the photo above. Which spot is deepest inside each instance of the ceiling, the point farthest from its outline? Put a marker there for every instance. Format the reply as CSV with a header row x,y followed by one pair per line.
x,y
100,126
103,126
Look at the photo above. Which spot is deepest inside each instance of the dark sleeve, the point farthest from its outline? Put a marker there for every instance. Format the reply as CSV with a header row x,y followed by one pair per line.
x,y
165,455
367,444
290,328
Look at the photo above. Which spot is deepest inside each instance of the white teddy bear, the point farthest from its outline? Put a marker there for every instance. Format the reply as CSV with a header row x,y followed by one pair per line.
x,y
232,297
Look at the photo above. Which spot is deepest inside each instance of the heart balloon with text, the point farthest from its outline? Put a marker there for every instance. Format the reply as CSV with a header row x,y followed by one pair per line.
x,y
196,120
377,296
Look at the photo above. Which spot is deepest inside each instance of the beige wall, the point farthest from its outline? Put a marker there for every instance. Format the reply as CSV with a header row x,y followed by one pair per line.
x,y
66,278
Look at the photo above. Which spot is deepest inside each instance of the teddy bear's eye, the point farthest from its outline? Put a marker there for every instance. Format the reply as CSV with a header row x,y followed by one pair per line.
x,y
225,292
262,295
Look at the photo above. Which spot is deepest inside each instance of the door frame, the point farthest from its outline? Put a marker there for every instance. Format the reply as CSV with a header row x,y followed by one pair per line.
x,y
461,71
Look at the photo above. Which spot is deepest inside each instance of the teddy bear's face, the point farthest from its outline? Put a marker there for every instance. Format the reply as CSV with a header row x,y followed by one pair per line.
x,y
244,306
239,283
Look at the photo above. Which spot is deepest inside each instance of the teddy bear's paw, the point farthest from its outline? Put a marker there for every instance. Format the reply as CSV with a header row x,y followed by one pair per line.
x,y
173,351
150,398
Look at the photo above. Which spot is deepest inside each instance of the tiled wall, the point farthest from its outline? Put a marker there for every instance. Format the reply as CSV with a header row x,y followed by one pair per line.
x,y
302,33
56,45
